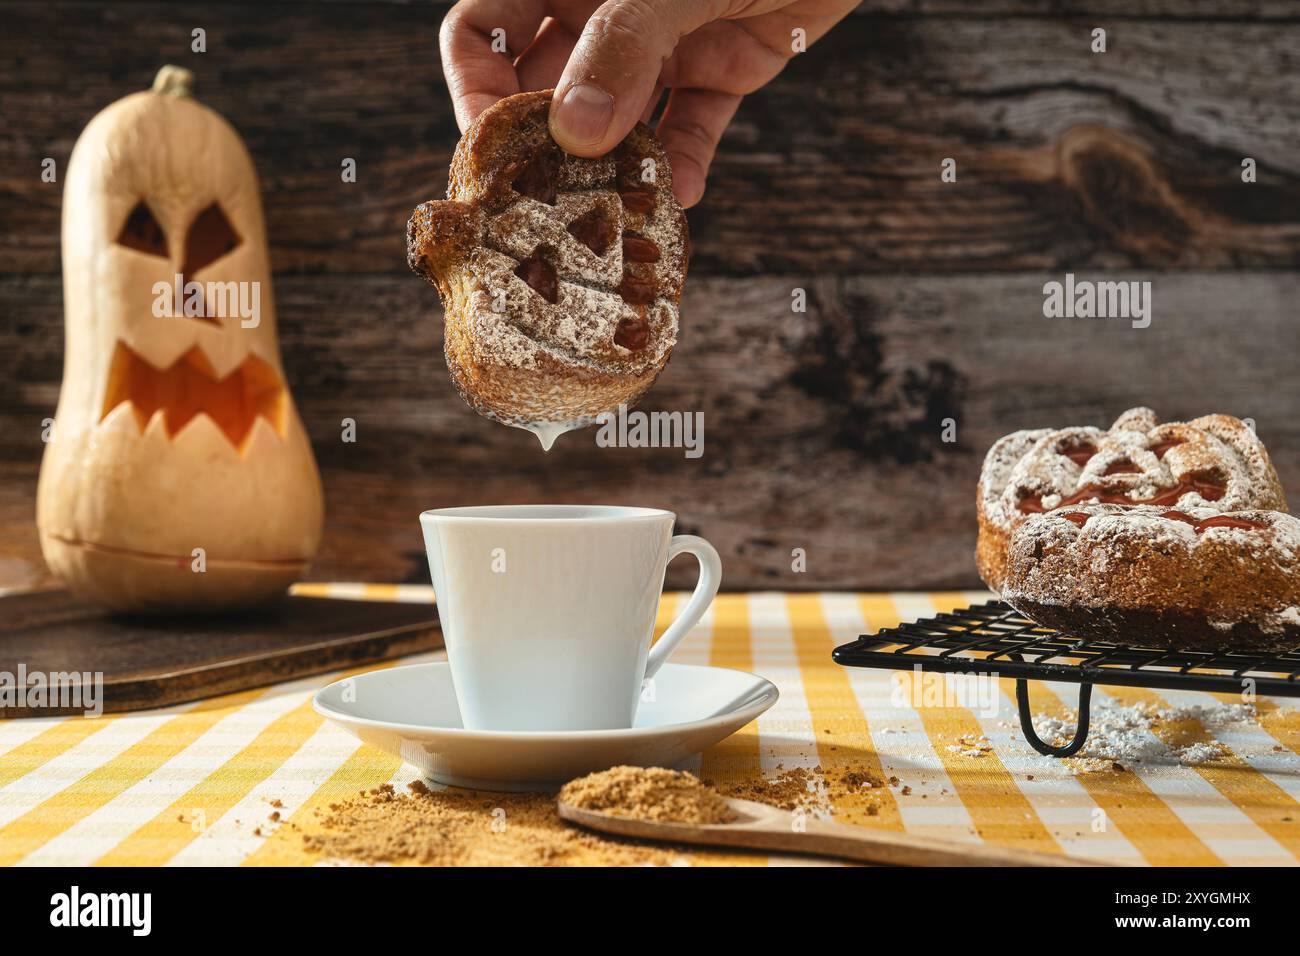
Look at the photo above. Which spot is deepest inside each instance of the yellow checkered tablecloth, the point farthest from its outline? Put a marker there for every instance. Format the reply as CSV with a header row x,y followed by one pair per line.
x,y
192,784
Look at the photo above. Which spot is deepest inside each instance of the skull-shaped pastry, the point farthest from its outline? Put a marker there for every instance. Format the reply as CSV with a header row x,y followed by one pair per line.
x,y
559,276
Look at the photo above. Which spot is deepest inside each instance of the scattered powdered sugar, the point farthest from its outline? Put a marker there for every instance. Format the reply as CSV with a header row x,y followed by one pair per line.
x,y
1128,734
1199,753
971,745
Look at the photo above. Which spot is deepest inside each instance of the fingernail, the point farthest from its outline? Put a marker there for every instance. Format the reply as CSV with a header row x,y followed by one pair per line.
x,y
583,115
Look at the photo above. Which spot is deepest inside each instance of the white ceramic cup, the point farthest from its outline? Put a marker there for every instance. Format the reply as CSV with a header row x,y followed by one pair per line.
x,y
548,610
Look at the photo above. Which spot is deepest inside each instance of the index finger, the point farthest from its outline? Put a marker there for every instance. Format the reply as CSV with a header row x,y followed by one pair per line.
x,y
478,75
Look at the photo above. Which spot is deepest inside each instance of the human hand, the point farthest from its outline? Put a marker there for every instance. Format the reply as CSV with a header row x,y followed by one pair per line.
x,y
611,62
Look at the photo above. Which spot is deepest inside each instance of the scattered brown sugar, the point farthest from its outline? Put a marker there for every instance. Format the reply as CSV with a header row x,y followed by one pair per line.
x,y
858,778
464,828
455,827
796,789
648,793
800,788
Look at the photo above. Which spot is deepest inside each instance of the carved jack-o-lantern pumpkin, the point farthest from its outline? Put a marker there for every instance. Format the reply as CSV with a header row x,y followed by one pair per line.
x,y
178,475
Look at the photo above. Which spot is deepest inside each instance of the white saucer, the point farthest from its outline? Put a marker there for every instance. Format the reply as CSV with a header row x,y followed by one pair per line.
x,y
411,712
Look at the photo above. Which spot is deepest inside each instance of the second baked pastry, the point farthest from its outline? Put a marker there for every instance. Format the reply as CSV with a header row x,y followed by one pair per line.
x,y
1191,578
1215,462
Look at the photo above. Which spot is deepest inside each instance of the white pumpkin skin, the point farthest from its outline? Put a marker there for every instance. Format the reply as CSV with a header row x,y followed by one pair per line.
x,y
121,510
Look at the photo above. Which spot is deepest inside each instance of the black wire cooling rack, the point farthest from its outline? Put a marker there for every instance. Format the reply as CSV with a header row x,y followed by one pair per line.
x,y
993,638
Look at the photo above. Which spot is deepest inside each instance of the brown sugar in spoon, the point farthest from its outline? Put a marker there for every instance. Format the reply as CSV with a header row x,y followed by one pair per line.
x,y
758,826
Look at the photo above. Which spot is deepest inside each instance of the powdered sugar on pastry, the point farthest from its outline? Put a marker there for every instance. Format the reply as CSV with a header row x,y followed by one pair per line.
x,y
1136,459
1211,462
1186,577
560,276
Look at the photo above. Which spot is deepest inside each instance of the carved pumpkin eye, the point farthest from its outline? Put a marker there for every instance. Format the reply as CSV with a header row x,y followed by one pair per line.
x,y
142,233
211,236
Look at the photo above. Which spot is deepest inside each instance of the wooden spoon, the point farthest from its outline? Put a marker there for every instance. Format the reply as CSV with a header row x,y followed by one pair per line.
x,y
761,827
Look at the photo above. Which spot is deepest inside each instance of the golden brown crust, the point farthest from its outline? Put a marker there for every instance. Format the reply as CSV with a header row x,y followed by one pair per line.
x,y
560,277
439,237
990,550
1185,578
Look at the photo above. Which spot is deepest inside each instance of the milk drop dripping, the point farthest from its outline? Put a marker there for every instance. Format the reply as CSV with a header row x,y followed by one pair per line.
x,y
547,432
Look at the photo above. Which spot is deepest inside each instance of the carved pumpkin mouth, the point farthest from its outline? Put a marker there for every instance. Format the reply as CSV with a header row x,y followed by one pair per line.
x,y
190,387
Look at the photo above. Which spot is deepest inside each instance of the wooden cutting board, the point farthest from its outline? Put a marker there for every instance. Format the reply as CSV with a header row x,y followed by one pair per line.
x,y
158,661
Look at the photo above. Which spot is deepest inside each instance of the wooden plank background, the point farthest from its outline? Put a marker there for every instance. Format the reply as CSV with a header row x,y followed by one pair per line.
x,y
822,429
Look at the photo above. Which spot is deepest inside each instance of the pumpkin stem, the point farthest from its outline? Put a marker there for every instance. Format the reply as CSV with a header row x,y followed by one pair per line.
x,y
174,81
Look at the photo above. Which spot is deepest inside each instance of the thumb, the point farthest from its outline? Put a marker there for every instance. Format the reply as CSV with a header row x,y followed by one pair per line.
x,y
614,67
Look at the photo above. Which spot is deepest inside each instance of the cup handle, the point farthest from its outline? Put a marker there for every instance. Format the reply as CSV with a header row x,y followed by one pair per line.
x,y
706,589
